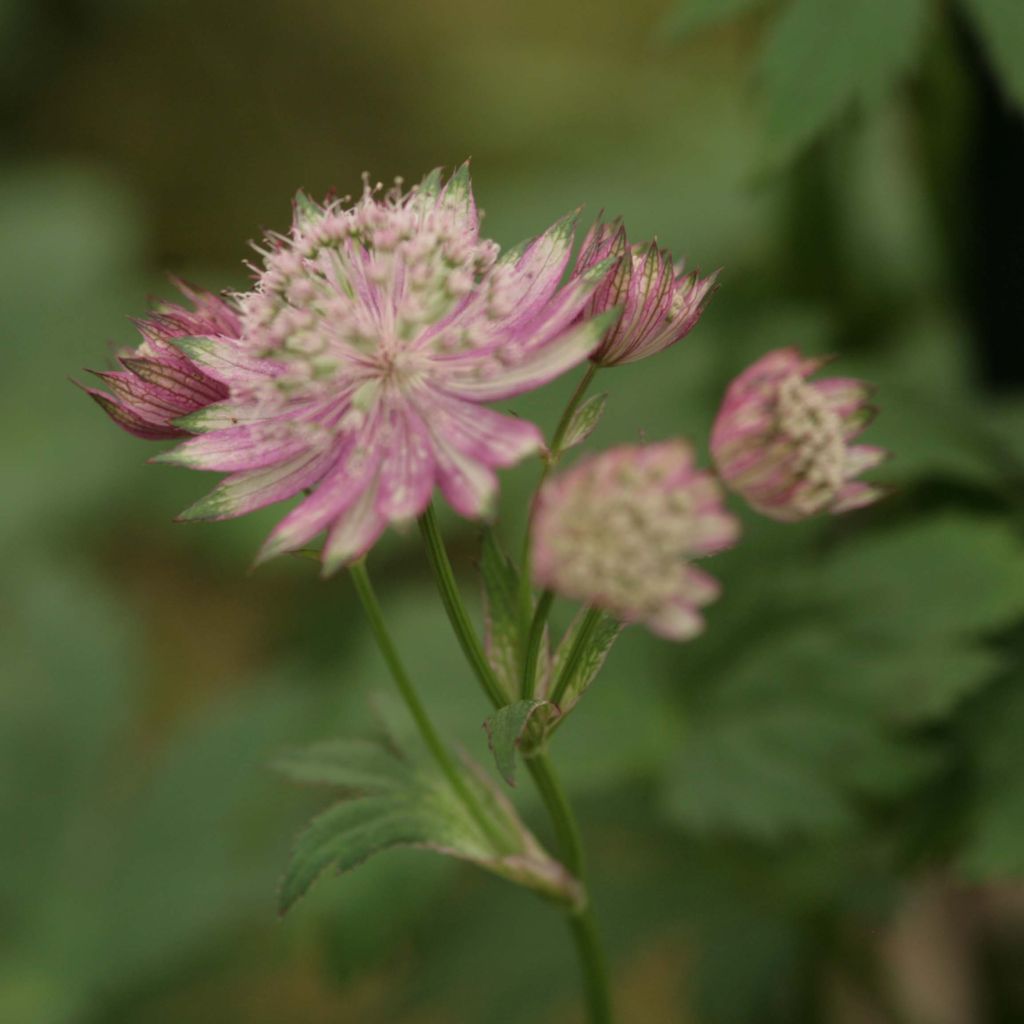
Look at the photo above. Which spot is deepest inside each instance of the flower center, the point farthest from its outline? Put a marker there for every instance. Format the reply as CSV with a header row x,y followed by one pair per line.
x,y
814,431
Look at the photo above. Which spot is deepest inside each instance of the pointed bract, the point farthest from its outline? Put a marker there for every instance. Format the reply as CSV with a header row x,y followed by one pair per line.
x,y
660,302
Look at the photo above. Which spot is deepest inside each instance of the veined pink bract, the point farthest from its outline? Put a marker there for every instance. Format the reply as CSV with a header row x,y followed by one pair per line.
x,y
619,530
782,441
158,383
660,302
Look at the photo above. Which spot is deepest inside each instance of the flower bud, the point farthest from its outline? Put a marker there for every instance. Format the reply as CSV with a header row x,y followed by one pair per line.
x,y
619,530
660,303
782,441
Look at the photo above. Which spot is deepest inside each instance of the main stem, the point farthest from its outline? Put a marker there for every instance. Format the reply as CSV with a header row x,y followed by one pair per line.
x,y
440,753
581,922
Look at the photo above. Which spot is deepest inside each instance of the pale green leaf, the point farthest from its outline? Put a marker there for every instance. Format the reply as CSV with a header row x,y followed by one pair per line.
x,y
584,420
824,56
501,613
589,665
505,732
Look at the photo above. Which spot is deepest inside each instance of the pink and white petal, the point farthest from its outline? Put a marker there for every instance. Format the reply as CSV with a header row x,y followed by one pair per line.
x,y
247,491
225,362
483,435
862,457
470,487
845,395
236,449
678,620
855,494
408,469
355,466
355,531
496,380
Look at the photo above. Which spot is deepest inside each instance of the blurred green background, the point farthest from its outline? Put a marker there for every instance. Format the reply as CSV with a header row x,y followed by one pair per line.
x,y
815,812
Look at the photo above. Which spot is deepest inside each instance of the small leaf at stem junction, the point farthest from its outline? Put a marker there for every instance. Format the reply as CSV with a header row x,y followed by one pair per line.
x,y
583,421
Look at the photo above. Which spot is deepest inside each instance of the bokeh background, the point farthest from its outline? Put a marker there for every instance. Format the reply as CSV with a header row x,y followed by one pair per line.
x,y
815,812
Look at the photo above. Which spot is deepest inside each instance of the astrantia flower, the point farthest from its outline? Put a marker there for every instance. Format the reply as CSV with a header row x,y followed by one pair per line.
x,y
159,383
783,441
619,530
660,302
372,336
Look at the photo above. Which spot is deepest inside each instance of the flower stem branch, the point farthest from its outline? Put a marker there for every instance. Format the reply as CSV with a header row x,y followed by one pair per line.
x,y
434,743
554,454
457,615
581,922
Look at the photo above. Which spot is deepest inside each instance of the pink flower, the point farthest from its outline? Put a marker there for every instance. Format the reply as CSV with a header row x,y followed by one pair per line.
x,y
619,530
660,303
373,336
160,384
783,442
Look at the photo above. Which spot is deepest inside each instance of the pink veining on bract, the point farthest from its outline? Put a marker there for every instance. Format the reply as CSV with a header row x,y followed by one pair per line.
x,y
158,383
783,441
619,531
373,335
660,301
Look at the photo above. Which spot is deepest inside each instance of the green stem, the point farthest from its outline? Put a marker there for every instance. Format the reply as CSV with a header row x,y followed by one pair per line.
x,y
581,922
445,761
555,453
579,646
533,641
457,615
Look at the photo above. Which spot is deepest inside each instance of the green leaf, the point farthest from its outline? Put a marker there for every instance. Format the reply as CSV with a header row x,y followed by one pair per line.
x,y
693,15
501,614
824,56
347,834
362,766
506,729
588,666
583,421
387,802
1001,26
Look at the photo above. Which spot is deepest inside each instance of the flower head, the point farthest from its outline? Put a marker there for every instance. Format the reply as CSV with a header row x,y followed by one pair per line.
x,y
159,383
619,529
782,441
660,302
373,335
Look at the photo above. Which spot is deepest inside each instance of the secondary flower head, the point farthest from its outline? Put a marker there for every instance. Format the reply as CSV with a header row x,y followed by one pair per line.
x,y
660,302
374,332
159,383
782,441
619,529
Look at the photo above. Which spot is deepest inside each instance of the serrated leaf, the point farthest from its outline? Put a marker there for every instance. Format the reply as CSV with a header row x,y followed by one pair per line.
x,y
362,766
823,56
693,15
1000,24
583,422
501,614
388,802
505,731
347,834
587,667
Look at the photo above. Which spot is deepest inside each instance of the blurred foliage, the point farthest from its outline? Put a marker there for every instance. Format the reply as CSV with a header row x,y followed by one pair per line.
x,y
758,803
